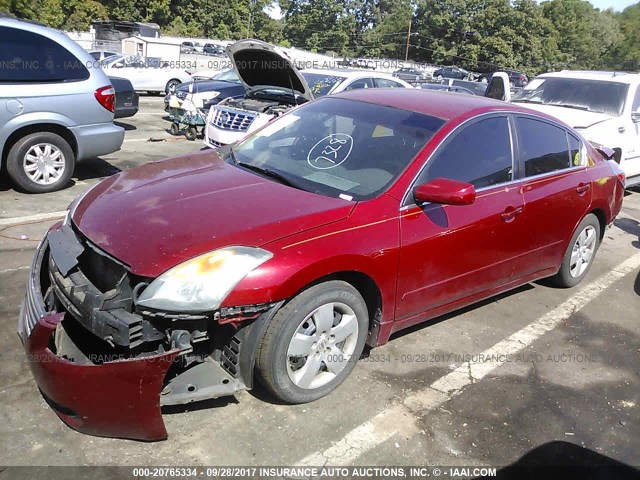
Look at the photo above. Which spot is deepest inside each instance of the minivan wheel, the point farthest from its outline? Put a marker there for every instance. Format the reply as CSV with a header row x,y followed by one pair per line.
x,y
580,253
313,342
41,162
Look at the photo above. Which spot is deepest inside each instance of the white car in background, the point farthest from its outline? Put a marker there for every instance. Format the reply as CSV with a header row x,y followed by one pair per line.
x,y
145,73
603,106
274,86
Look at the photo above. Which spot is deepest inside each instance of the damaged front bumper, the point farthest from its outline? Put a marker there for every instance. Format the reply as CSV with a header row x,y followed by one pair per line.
x,y
114,399
120,395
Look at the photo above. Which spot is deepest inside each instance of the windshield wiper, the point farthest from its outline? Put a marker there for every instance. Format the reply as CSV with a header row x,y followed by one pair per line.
x,y
577,107
264,171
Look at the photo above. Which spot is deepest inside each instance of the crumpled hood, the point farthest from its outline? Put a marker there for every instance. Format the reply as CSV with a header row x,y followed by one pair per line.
x,y
158,215
260,64
573,117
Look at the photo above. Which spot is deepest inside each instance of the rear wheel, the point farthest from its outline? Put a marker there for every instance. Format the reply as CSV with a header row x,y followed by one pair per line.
x,y
312,343
171,85
580,253
41,162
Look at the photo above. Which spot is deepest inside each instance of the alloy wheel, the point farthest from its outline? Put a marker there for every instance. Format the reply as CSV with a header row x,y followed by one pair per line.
x,y
322,345
583,251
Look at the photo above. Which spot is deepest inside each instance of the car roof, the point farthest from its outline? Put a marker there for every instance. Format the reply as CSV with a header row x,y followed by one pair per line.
x,y
343,72
620,77
444,105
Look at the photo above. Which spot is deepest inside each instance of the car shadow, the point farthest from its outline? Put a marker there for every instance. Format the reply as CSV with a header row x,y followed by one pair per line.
x,y
127,126
564,460
630,226
94,168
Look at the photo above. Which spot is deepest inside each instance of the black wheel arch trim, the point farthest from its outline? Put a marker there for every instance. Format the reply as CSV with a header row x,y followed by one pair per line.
x,y
253,335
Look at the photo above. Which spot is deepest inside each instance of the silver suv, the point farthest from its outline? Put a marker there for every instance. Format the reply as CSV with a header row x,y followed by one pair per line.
x,y
56,106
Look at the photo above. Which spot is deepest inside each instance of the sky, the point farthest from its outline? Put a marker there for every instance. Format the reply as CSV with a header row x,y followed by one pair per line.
x,y
618,5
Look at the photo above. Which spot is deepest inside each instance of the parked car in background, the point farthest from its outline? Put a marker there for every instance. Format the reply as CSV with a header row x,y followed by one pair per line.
x,y
476,87
443,87
54,110
145,73
413,75
329,81
190,47
208,92
272,91
102,54
126,98
213,49
602,106
516,79
404,205
451,72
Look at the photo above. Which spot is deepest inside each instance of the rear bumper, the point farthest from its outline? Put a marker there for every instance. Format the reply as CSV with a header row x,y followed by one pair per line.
x,y
114,399
98,139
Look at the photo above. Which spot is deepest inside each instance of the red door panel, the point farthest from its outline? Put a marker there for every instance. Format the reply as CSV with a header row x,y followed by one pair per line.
x,y
451,252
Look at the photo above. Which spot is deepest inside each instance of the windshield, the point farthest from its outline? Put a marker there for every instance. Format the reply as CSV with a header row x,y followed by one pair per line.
x,y
592,95
339,147
321,84
227,76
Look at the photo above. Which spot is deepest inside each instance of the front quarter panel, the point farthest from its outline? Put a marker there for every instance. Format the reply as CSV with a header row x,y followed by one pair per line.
x,y
367,242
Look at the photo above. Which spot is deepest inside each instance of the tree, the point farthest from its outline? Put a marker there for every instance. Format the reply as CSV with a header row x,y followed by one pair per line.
x,y
584,34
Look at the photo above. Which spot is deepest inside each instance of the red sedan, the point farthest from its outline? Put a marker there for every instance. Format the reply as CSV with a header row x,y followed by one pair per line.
x,y
345,220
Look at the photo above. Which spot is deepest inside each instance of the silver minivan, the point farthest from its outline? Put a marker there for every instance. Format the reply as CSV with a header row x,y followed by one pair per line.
x,y
56,106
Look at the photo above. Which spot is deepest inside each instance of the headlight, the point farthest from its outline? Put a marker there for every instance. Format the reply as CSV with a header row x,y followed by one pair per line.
x,y
202,283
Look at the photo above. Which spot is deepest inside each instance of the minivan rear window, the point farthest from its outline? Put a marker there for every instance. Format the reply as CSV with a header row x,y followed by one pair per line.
x,y
27,57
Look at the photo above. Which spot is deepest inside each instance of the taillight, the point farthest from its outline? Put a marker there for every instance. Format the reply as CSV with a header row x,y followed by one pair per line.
x,y
106,97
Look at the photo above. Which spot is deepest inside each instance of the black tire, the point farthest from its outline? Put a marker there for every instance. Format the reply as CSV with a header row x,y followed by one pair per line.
x,y
191,133
564,278
174,82
272,356
174,129
16,156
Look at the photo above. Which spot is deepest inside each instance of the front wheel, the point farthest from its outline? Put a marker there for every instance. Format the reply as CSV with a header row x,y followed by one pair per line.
x,y
580,253
439,78
312,343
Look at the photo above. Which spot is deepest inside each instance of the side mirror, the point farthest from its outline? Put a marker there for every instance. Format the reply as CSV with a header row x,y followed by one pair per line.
x,y
635,116
499,87
445,191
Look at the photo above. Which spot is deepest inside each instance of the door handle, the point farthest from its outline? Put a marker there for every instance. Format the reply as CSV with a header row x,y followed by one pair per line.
x,y
583,188
511,213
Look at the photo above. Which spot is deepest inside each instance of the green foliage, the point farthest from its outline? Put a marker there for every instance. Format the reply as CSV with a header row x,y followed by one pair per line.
x,y
480,35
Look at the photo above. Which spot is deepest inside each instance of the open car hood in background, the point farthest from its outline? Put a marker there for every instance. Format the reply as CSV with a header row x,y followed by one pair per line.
x,y
260,64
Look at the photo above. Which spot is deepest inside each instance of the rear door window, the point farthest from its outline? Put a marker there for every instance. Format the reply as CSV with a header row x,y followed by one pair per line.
x,y
360,83
27,57
543,147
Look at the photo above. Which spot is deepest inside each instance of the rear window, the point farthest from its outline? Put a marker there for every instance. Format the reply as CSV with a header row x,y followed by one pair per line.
x,y
321,84
27,57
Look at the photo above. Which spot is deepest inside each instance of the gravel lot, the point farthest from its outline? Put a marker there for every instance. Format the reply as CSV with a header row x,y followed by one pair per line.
x,y
554,374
